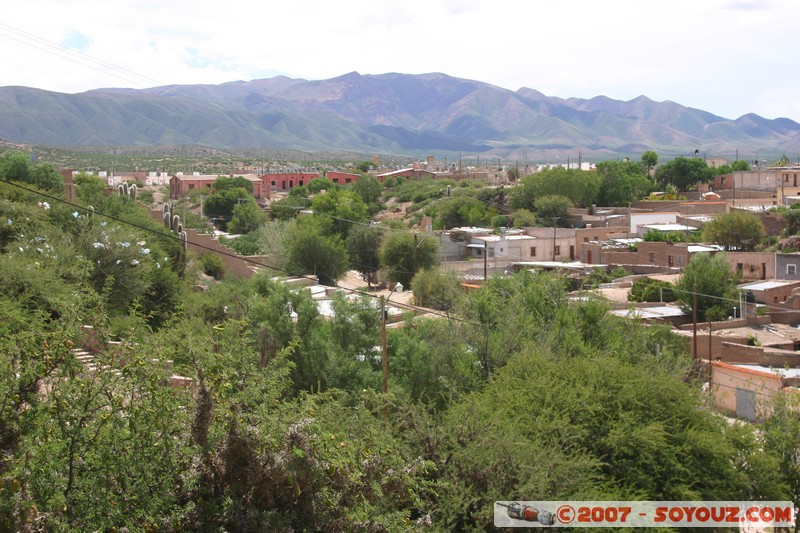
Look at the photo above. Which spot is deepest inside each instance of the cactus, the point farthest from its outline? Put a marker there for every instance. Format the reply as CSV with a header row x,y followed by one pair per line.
x,y
132,192
120,190
125,188
175,221
167,219
179,229
166,209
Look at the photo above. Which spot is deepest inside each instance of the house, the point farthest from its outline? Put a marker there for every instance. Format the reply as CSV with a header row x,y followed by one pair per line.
x,y
552,244
771,291
505,248
749,390
643,256
757,179
342,178
181,184
288,180
642,229
751,266
786,266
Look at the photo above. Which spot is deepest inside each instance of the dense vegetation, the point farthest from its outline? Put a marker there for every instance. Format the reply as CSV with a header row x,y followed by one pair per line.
x,y
515,393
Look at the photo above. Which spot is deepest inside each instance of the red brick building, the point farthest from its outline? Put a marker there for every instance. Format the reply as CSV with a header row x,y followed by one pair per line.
x,y
342,178
287,180
181,184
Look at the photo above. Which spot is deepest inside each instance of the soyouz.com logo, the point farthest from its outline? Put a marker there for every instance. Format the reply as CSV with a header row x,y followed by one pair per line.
x,y
512,513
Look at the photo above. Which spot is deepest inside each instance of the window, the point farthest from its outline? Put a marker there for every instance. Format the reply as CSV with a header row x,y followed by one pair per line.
x,y
739,268
752,268
557,250
671,260
533,251
791,270
586,239
652,257
273,183
347,180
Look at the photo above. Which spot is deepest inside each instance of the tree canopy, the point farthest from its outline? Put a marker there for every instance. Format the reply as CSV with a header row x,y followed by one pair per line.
x,y
403,255
580,187
711,277
737,230
683,173
622,182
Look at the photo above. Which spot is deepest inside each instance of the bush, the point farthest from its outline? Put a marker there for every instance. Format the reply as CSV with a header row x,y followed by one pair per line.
x,y
212,265
651,290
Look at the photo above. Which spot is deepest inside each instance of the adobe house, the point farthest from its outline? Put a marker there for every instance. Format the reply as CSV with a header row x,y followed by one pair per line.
x,y
181,184
552,244
771,291
751,266
342,178
749,390
288,180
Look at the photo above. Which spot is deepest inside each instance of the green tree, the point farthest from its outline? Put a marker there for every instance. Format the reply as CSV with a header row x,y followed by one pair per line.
x,y
737,230
320,184
623,182
651,290
369,189
343,207
403,255
288,208
363,245
523,218
364,166
711,277
221,204
513,174
311,250
649,161
436,289
458,211
552,207
246,217
16,166
792,218
223,183
781,438
683,173
89,188
580,187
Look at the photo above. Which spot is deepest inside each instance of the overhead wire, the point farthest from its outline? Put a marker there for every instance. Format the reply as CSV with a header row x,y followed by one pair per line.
x,y
220,252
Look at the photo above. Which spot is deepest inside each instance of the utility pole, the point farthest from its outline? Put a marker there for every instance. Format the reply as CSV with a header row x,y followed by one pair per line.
x,y
385,357
694,321
485,258
415,255
554,239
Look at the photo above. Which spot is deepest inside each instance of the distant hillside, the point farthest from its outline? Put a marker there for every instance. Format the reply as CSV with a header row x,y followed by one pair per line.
x,y
388,113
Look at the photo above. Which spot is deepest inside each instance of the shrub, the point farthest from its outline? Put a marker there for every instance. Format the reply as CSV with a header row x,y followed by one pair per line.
x,y
212,265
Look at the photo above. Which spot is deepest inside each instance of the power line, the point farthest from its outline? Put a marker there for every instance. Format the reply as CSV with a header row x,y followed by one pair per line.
x,y
172,236
50,47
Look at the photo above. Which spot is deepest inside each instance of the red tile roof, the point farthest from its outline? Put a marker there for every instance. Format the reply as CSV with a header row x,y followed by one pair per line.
x,y
745,370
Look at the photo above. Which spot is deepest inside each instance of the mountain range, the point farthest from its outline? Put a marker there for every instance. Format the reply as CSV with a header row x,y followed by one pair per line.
x,y
386,113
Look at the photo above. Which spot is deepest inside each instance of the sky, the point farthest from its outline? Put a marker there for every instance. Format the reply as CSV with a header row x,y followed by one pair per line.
x,y
727,57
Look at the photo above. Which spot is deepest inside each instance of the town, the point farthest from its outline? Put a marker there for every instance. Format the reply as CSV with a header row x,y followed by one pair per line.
x,y
267,334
